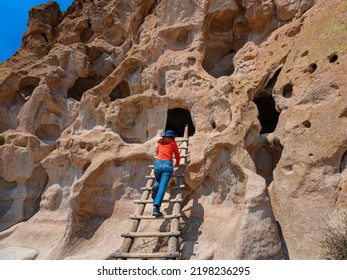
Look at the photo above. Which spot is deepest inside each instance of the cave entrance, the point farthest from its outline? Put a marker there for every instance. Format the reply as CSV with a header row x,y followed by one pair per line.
x,y
82,85
177,119
268,116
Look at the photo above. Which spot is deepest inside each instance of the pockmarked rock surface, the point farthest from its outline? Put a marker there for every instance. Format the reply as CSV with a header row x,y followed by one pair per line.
x,y
261,84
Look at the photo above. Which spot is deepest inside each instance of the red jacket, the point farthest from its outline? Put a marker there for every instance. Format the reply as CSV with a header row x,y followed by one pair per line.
x,y
166,151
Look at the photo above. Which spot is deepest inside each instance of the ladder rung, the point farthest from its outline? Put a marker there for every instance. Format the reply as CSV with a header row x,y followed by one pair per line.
x,y
150,234
151,201
181,140
168,188
172,255
140,217
175,187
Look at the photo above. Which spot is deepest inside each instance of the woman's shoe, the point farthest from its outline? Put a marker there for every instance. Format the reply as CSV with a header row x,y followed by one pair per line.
x,y
156,212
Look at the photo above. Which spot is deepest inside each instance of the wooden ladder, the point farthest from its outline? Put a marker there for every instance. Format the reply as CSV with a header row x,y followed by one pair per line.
x,y
174,233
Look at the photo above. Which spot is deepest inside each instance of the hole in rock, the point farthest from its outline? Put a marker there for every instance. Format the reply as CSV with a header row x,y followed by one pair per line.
x,y
287,91
50,132
2,140
268,116
89,147
343,114
27,91
99,69
304,53
82,85
312,68
85,167
306,124
83,145
178,38
44,36
220,63
27,86
293,31
333,58
213,124
122,90
87,33
220,47
334,86
343,164
191,61
177,119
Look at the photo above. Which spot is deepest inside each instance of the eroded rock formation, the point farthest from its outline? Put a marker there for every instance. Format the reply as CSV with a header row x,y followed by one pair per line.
x,y
260,82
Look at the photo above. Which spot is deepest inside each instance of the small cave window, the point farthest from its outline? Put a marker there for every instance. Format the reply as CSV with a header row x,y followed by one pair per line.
x,y
122,90
85,167
77,90
287,91
268,116
312,68
87,33
306,124
27,91
82,85
48,132
220,47
177,119
333,58
213,124
44,37
27,85
219,63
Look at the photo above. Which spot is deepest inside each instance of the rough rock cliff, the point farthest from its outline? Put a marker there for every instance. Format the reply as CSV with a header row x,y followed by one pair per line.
x,y
261,84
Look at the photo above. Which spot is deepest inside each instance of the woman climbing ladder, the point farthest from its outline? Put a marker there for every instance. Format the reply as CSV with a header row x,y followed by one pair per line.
x,y
163,168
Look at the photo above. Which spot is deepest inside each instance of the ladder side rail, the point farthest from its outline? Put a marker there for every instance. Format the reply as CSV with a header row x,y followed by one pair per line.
x,y
175,222
128,241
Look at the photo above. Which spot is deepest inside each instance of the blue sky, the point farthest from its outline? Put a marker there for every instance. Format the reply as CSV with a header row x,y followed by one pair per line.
x,y
13,23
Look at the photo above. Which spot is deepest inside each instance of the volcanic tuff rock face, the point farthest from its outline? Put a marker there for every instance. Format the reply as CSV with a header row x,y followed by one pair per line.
x,y
261,83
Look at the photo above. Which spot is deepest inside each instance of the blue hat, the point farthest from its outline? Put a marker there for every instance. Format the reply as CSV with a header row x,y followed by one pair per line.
x,y
169,134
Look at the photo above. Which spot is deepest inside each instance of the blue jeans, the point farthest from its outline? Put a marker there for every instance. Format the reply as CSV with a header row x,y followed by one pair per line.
x,y
163,170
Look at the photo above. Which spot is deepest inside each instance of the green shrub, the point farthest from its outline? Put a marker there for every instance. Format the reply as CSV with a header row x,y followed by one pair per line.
x,y
334,243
